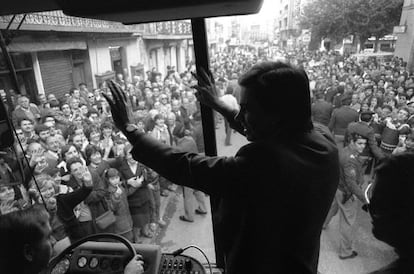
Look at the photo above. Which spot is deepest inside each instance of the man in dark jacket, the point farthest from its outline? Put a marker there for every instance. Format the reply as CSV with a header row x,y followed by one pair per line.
x,y
363,128
341,118
321,110
95,204
258,220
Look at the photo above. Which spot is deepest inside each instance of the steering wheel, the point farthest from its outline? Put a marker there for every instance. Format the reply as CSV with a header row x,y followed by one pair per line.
x,y
52,264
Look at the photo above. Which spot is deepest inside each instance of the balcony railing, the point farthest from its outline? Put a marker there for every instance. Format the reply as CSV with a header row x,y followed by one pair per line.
x,y
57,20
181,27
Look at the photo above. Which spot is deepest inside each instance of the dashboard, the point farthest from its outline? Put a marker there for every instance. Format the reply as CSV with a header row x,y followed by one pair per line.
x,y
111,257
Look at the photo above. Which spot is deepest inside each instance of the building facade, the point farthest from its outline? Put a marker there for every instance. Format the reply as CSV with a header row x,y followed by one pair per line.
x,y
405,35
53,53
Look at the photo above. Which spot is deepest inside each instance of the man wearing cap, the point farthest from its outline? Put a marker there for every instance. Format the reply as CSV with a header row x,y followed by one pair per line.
x,y
363,128
349,189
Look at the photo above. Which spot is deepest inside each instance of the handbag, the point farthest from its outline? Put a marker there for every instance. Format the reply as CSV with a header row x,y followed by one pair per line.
x,y
105,219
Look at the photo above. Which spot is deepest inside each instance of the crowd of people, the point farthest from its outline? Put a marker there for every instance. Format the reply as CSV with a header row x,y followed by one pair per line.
x,y
85,174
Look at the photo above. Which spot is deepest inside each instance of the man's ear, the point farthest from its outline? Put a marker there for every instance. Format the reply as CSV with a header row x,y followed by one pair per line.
x,y
28,252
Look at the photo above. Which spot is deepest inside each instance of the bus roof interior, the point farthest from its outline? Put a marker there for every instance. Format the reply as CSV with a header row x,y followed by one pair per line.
x,y
141,11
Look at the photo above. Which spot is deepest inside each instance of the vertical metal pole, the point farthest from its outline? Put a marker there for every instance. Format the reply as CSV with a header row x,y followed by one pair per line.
x,y
12,71
202,61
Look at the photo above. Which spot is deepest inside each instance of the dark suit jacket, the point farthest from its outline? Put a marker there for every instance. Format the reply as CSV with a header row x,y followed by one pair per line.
x,y
183,118
275,195
341,118
366,131
96,199
137,196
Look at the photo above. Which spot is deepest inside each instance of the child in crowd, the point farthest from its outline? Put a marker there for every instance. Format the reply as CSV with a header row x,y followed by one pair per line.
x,y
118,203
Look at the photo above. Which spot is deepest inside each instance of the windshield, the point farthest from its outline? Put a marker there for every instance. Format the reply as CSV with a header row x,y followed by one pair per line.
x,y
64,130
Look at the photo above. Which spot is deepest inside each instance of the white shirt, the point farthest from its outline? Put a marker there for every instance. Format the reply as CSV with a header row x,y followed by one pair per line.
x,y
230,100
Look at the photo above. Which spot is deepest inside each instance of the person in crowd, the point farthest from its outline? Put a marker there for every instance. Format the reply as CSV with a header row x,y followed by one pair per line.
x,y
363,128
185,142
349,190
276,135
27,126
25,110
230,100
156,219
391,206
43,132
165,134
340,119
139,195
95,204
160,130
321,109
392,129
197,131
406,145
27,244
118,202
180,113
52,154
68,152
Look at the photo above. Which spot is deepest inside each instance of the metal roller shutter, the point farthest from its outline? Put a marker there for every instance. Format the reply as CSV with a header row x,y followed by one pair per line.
x,y
56,69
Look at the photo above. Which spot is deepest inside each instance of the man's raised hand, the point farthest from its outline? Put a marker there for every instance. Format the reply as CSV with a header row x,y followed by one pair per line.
x,y
119,106
206,89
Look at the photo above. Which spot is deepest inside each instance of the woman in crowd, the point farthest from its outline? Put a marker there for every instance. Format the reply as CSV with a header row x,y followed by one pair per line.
x,y
139,196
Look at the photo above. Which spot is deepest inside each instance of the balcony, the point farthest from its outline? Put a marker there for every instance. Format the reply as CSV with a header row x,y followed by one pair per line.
x,y
168,30
58,21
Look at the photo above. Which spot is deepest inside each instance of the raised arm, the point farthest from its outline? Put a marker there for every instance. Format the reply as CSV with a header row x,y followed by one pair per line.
x,y
207,95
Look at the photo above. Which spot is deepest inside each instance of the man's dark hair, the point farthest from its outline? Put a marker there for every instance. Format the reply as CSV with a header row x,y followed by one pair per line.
x,y
355,136
91,129
71,161
65,149
48,115
40,127
387,107
18,229
72,90
92,111
54,103
106,125
89,151
276,86
366,116
19,122
346,99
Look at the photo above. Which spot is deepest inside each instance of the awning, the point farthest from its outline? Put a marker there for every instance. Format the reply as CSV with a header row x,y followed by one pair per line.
x,y
30,44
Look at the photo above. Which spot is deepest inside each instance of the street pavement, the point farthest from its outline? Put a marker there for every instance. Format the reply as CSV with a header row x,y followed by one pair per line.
x,y
372,254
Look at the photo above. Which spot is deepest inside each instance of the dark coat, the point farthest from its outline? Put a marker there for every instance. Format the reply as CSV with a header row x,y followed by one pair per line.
x,y
65,205
351,174
341,118
96,199
274,197
137,196
321,112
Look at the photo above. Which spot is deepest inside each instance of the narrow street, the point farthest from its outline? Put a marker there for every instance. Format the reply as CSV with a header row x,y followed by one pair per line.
x,y
177,234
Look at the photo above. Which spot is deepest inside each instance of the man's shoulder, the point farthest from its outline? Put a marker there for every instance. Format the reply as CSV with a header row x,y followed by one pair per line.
x,y
348,156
